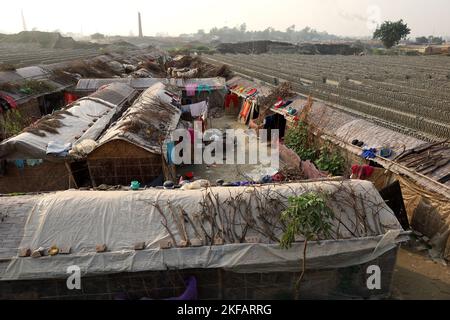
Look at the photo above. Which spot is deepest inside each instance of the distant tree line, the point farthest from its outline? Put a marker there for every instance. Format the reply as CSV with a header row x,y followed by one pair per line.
x,y
237,34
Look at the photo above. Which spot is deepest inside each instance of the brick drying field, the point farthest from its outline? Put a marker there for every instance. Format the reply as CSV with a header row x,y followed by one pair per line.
x,y
404,93
22,55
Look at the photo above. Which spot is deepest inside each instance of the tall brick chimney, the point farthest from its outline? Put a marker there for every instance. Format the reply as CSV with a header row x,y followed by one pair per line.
x,y
141,35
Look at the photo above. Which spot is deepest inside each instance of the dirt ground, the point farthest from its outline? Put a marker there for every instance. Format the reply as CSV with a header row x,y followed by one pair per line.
x,y
418,277
229,173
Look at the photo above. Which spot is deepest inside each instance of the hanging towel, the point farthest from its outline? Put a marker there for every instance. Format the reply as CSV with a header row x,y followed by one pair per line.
x,y
197,109
204,87
191,89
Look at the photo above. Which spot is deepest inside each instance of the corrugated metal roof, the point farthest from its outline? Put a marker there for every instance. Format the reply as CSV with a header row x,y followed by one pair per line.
x,y
429,159
22,75
115,93
33,72
9,76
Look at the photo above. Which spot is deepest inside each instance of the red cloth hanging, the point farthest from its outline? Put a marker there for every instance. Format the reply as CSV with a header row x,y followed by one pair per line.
x,y
231,98
362,172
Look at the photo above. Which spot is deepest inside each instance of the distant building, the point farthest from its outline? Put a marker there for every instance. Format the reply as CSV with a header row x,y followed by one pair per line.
x,y
34,91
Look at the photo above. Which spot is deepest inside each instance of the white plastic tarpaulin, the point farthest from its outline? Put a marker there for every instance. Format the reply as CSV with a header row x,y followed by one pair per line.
x,y
120,219
86,119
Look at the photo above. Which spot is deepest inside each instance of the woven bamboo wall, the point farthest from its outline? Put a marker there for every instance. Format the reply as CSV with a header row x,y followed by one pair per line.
x,y
119,163
48,176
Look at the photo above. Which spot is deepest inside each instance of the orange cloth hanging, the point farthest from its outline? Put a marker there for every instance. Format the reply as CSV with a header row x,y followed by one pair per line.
x,y
246,109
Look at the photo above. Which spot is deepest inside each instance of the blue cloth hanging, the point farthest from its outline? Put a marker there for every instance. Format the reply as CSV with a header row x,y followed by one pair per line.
x,y
20,164
203,87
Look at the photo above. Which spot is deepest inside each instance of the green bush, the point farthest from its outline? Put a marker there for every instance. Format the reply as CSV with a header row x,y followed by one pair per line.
x,y
331,161
326,159
308,216
12,123
297,138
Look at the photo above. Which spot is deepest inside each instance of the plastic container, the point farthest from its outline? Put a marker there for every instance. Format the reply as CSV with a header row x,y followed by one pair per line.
x,y
135,185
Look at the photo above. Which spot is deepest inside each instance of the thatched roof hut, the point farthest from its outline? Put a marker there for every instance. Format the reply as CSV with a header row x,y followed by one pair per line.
x,y
132,148
36,159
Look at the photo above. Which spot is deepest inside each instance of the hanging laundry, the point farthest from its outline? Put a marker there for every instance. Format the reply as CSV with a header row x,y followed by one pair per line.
x,y
186,108
245,110
197,109
20,164
362,172
204,88
191,89
276,121
231,98
33,162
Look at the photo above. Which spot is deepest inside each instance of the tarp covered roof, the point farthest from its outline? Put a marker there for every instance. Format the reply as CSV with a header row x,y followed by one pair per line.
x,y
151,118
87,118
346,127
144,83
363,229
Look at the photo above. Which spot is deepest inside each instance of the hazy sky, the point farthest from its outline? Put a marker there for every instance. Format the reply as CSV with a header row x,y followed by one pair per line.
x,y
341,17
